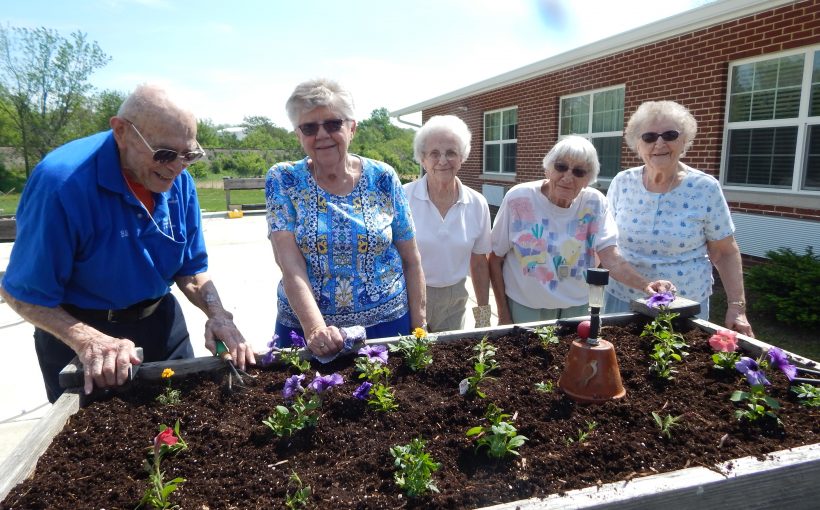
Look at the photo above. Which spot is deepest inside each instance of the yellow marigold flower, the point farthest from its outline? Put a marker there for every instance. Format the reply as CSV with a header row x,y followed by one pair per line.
x,y
167,373
419,333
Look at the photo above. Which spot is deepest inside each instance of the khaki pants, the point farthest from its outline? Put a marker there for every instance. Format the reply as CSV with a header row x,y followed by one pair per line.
x,y
521,313
447,307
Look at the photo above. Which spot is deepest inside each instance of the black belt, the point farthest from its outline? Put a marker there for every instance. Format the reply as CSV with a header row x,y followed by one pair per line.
x,y
133,313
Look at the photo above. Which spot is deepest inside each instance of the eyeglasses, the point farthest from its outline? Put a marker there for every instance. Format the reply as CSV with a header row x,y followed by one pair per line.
x,y
449,155
331,126
166,156
577,172
667,136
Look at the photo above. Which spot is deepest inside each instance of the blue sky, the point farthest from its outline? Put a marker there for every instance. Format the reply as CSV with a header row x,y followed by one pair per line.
x,y
234,58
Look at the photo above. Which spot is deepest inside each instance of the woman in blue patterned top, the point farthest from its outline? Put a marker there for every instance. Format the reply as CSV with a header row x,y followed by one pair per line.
x,y
673,221
341,231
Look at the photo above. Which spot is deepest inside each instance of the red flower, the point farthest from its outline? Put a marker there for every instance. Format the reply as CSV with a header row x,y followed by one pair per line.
x,y
724,340
166,437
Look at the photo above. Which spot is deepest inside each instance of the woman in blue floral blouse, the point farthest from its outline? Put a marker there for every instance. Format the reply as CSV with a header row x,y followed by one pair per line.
x,y
341,231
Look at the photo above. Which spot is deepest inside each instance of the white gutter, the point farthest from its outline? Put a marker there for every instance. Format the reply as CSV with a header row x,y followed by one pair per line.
x,y
689,21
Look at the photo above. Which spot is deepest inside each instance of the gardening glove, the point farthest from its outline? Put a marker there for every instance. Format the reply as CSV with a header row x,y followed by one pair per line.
x,y
482,316
352,335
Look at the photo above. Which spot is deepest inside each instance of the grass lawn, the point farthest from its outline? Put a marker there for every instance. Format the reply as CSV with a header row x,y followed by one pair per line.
x,y
214,199
8,203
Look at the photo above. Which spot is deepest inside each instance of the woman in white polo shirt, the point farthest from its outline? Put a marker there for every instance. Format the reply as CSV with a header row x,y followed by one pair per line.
x,y
452,226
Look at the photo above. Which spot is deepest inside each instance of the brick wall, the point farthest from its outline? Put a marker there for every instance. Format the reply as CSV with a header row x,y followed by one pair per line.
x,y
691,69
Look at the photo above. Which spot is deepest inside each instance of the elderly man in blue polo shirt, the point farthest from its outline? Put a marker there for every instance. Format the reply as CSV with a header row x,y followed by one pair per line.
x,y
105,225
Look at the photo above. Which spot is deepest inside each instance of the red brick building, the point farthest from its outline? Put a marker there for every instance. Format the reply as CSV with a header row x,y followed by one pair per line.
x,y
749,71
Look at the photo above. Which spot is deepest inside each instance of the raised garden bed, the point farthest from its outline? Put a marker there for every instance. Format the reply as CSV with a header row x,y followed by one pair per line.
x,y
234,461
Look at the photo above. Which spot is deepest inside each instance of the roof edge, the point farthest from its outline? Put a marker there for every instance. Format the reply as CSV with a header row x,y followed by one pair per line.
x,y
685,22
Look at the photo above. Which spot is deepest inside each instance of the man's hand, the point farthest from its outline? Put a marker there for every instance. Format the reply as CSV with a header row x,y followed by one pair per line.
x,y
222,327
106,361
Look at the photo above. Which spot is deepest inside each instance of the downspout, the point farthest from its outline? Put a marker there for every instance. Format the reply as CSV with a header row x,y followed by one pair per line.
x,y
398,118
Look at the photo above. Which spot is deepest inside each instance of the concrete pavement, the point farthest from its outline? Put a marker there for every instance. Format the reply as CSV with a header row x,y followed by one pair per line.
x,y
242,267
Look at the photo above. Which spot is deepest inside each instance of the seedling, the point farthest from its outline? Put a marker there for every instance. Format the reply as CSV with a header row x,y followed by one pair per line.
x,y
501,438
666,423
415,468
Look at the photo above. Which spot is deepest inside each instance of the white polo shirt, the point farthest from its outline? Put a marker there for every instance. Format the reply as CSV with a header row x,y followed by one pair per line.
x,y
446,244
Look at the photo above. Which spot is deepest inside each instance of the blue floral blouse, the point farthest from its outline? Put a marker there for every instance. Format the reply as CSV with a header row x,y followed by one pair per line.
x,y
354,268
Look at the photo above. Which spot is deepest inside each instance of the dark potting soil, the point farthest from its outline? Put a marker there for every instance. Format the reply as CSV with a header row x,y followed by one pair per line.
x,y
234,461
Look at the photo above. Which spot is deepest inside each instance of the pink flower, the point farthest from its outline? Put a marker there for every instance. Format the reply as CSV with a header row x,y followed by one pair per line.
x,y
724,340
166,437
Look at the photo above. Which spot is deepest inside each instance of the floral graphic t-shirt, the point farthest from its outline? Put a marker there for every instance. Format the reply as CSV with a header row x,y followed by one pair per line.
x,y
547,248
663,235
354,268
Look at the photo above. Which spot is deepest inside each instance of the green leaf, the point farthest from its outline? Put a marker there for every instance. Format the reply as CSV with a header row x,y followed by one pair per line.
x,y
475,431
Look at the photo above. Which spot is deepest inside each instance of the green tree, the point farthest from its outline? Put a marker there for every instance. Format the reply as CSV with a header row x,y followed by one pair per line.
x,y
43,83
377,138
206,133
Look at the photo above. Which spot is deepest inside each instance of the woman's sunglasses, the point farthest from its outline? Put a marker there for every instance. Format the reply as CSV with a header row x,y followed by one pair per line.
x,y
667,136
577,172
331,126
166,156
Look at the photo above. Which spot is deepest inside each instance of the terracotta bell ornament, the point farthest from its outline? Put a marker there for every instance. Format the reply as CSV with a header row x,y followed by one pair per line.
x,y
591,373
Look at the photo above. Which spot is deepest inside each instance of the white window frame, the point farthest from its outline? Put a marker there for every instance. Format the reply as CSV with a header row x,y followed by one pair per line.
x,y
498,142
590,135
803,121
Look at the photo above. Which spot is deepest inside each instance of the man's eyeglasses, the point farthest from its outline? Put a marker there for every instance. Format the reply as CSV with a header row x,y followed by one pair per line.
x,y
166,156
331,126
577,172
449,155
667,136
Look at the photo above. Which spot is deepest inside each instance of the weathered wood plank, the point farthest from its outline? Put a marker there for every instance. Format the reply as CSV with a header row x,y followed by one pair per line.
x,y
786,479
241,183
8,229
244,183
72,375
20,464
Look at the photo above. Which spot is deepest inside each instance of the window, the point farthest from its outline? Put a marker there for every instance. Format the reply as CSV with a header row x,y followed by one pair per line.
x,y
773,123
598,116
500,141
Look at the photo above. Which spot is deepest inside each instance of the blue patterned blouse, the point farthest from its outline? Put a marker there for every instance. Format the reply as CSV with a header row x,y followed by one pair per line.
x,y
354,268
664,235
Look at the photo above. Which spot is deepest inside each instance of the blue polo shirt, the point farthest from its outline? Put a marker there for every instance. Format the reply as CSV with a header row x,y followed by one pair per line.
x,y
83,238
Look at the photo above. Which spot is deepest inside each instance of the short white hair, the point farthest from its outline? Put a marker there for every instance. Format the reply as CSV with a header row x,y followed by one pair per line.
x,y
577,148
442,124
312,94
667,110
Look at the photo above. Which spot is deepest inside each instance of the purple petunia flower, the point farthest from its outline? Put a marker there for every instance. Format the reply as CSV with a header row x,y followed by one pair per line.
x,y
273,341
376,353
322,383
296,340
752,371
293,384
363,391
660,299
270,357
779,361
